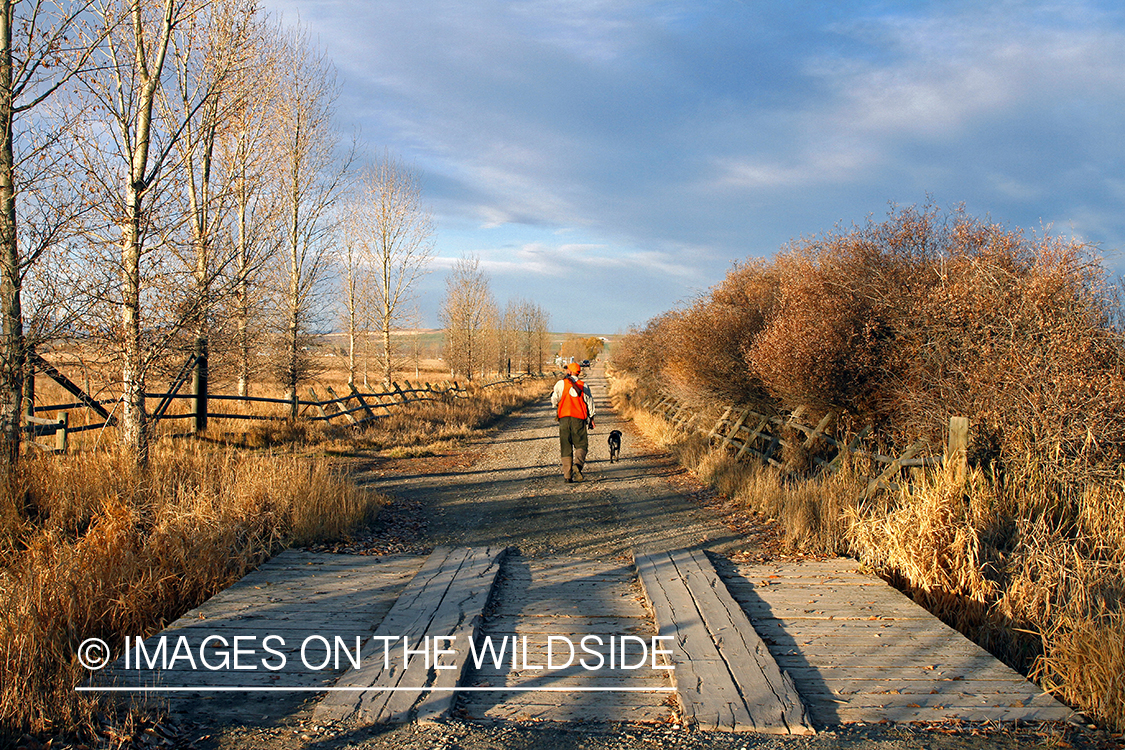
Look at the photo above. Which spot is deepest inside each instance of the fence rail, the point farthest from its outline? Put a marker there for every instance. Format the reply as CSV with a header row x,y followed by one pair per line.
x,y
750,432
374,405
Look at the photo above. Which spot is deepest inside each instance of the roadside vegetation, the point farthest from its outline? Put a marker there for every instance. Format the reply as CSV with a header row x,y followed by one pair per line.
x,y
901,324
91,545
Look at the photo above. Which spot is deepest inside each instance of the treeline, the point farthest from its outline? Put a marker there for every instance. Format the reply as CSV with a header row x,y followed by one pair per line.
x,y
480,337
904,322
173,181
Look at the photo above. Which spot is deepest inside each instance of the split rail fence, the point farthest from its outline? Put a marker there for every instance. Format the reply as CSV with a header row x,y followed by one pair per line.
x,y
753,433
355,408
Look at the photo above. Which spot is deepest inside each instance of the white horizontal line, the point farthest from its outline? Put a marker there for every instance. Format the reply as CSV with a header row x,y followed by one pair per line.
x,y
275,689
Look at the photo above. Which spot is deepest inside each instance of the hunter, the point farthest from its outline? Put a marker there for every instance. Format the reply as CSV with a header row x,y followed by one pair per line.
x,y
575,406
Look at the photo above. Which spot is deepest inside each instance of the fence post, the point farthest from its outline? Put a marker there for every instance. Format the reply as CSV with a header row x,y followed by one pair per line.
x,y
957,449
60,432
366,409
199,384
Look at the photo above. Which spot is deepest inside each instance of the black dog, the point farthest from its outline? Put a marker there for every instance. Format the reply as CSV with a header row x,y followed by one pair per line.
x,y
614,445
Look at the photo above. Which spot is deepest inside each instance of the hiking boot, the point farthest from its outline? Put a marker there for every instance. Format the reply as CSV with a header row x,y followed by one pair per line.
x,y
579,463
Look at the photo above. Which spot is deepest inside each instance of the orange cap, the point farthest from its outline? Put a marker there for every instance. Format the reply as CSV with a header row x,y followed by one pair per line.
x,y
574,368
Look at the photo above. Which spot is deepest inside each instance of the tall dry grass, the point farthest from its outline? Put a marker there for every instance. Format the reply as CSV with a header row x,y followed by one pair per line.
x,y
1034,574
89,547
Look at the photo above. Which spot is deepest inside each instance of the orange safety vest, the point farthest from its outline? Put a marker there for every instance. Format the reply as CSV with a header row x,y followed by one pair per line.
x,y
571,404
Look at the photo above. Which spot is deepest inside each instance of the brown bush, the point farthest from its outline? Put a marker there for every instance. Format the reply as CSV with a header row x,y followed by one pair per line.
x,y
703,345
902,324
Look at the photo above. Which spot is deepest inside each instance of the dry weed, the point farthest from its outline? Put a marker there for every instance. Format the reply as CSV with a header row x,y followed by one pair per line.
x,y
92,548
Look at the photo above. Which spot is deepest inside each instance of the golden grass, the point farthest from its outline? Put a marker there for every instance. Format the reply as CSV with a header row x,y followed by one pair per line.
x,y
1031,569
92,548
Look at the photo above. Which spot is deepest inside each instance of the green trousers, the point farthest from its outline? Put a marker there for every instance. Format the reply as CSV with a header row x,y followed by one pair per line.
x,y
572,435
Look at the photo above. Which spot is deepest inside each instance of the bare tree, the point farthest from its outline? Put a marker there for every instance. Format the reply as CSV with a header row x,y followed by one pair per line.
x,y
355,266
129,154
249,153
541,323
400,245
131,71
314,173
466,313
36,59
209,54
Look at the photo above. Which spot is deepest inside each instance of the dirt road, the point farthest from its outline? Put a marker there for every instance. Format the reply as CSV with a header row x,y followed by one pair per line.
x,y
512,493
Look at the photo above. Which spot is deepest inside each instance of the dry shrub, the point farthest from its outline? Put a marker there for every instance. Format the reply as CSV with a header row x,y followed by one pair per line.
x,y
901,324
703,345
622,391
93,548
1016,337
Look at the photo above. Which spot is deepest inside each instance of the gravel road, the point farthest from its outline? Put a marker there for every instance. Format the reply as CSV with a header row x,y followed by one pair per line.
x,y
512,493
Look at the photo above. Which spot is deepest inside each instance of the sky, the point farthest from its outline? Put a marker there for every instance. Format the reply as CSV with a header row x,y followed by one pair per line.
x,y
610,159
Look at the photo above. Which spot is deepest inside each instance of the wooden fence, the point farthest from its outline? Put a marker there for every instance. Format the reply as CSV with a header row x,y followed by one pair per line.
x,y
355,408
752,433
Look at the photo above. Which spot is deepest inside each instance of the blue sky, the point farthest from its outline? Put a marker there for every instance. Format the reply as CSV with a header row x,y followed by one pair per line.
x,y
610,159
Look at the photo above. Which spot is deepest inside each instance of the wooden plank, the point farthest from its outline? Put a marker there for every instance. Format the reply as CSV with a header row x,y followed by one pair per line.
x,y
904,666
720,707
336,398
737,426
253,618
754,434
720,663
819,431
894,468
445,600
770,695
956,450
359,397
42,365
721,421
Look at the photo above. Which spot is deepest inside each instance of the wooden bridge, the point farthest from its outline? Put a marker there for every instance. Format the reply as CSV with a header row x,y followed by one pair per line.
x,y
672,636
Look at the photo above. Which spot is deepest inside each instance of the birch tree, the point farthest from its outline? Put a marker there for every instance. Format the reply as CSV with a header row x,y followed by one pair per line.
x,y
401,244
130,149
249,152
466,312
209,53
314,172
356,281
36,59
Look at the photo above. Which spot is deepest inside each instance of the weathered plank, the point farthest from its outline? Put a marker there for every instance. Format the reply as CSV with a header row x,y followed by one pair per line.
x,y
890,660
293,596
724,675
444,600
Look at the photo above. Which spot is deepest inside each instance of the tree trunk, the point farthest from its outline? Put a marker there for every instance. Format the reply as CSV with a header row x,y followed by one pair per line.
x,y
12,355
134,420
242,303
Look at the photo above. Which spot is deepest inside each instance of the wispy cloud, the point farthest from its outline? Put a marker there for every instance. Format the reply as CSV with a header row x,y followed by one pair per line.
x,y
678,136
